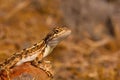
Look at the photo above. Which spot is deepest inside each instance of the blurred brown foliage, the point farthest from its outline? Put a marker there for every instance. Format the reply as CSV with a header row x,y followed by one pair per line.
x,y
90,53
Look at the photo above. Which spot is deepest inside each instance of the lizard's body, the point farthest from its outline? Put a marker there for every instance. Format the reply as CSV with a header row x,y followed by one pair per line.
x,y
25,55
37,52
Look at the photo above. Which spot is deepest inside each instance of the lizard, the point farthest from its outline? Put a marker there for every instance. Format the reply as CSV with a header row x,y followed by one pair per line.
x,y
37,52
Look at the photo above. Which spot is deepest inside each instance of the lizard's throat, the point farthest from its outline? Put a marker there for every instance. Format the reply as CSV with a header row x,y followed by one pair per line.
x,y
48,50
50,46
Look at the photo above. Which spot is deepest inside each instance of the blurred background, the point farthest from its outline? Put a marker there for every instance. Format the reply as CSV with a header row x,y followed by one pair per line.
x,y
91,52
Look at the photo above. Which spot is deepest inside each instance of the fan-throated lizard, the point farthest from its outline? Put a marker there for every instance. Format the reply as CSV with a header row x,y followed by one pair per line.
x,y
37,52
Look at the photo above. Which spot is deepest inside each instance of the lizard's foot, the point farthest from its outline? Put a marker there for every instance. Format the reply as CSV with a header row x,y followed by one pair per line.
x,y
44,65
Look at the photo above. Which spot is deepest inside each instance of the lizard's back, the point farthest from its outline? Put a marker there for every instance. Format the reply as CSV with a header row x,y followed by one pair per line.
x,y
24,55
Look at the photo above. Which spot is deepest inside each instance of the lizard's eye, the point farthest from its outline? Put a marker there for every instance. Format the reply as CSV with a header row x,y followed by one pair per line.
x,y
56,31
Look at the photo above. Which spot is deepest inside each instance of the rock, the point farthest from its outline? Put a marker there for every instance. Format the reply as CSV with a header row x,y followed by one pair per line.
x,y
26,72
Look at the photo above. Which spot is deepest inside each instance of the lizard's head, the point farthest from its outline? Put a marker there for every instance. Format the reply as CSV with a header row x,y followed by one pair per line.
x,y
57,35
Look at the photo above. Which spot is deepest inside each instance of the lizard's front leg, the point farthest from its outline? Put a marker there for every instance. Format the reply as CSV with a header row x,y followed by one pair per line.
x,y
46,66
39,63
